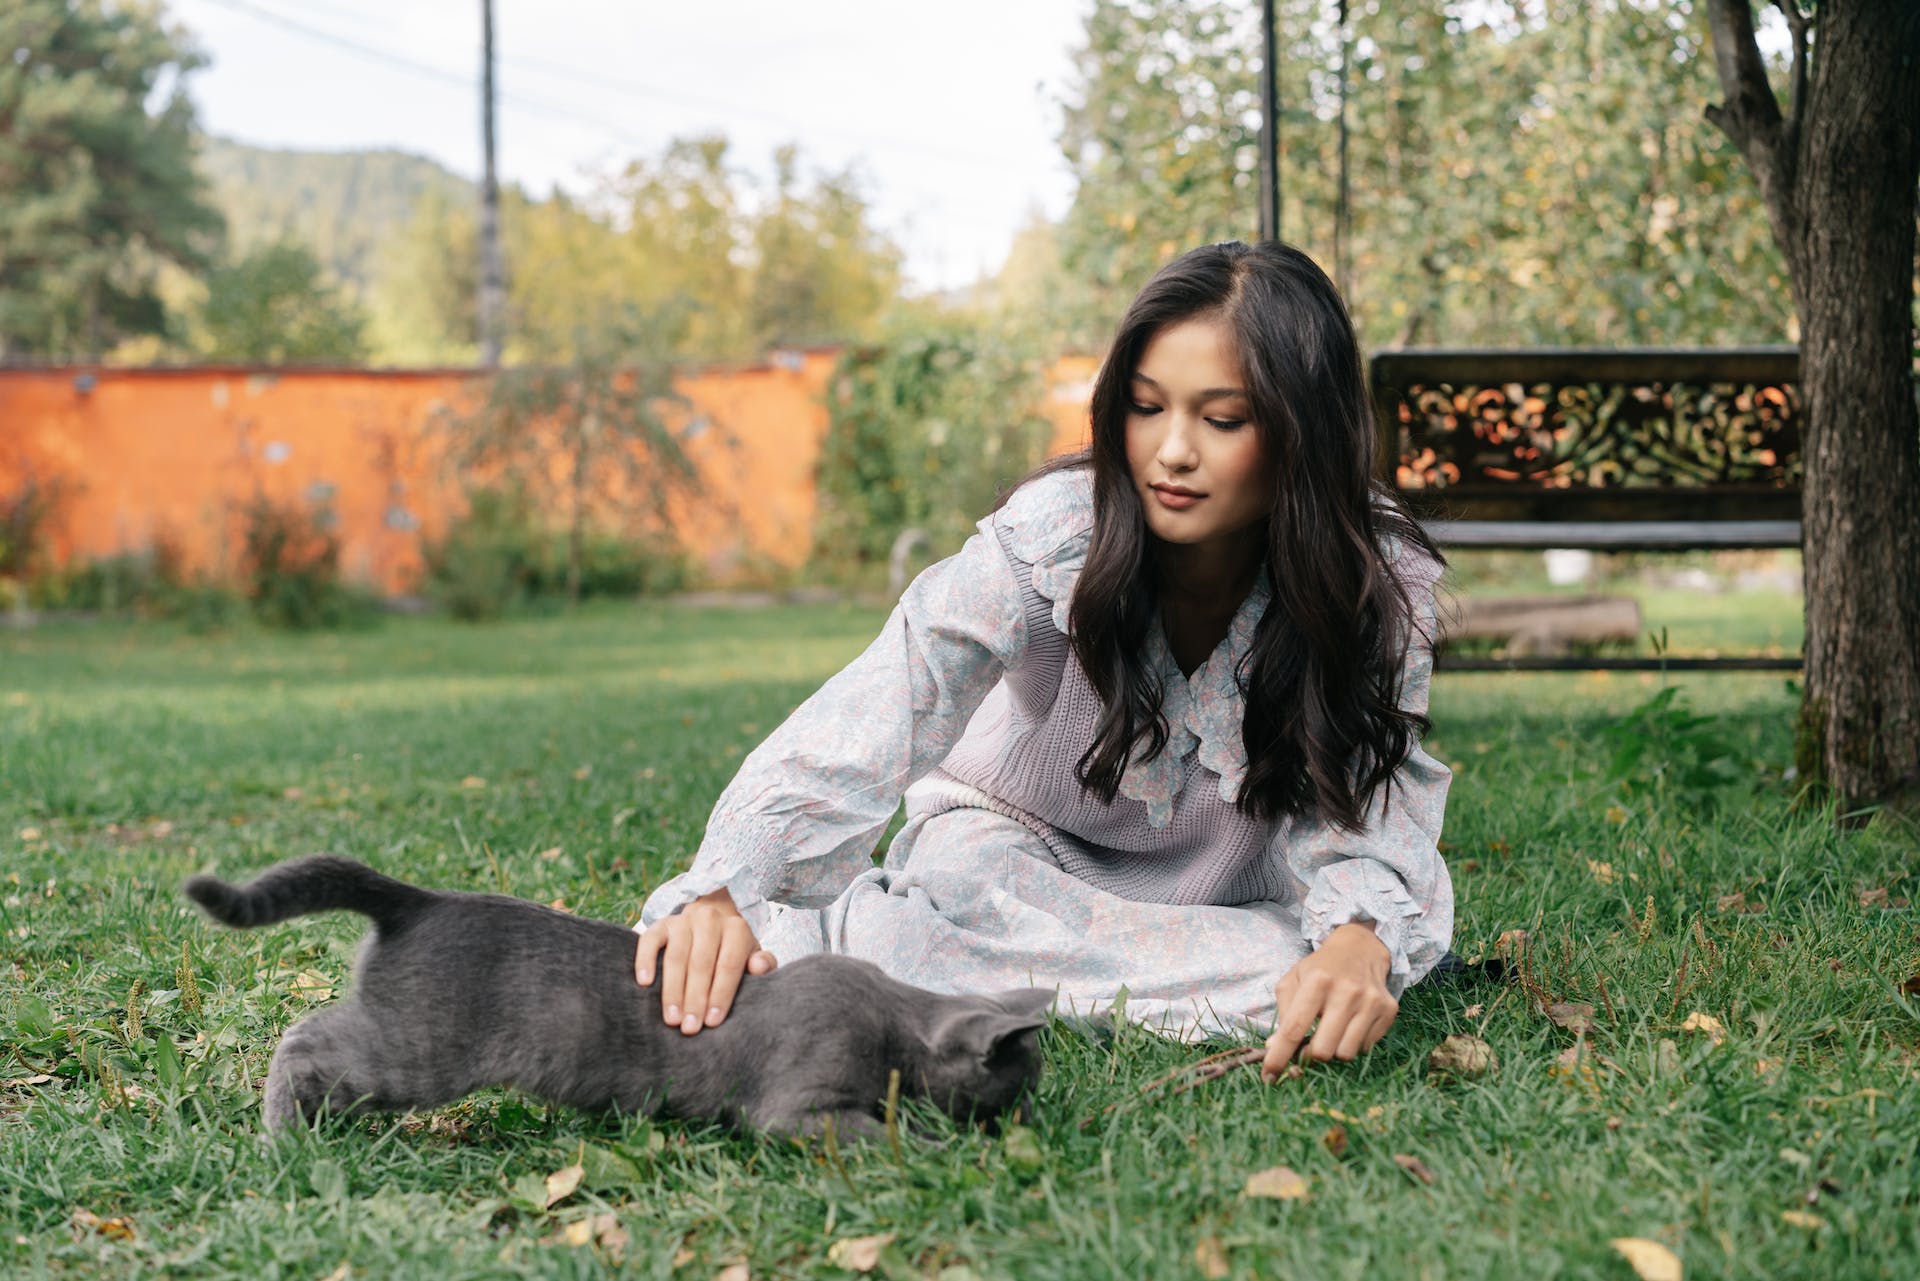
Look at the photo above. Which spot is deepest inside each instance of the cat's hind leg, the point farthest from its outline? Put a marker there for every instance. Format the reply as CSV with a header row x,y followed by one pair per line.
x,y
324,1064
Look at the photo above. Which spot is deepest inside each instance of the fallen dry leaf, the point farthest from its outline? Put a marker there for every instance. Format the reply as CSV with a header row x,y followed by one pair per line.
x,y
560,905
1277,1183
859,1254
116,1228
1876,897
473,782
1602,873
1616,815
310,985
340,1273
1462,1056
19,1082
292,793
29,833
735,1271
1413,1165
1211,1258
1739,902
1575,1016
1801,1219
1912,986
1651,1260
562,1184
1510,942
1698,1022
1335,1140
1474,1011
552,854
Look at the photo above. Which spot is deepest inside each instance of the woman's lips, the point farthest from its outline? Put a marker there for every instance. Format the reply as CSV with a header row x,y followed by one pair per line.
x,y
1175,499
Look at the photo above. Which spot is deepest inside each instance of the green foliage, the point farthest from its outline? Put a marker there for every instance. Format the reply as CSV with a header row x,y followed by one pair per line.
x,y
586,436
346,207
290,559
275,307
498,558
24,516
1538,174
149,583
1662,753
684,233
926,429
97,185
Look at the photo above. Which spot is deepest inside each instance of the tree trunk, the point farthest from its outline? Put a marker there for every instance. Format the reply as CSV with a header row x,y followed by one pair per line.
x,y
1861,518
1839,176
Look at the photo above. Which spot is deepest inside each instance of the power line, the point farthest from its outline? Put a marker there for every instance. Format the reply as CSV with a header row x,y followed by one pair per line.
x,y
580,76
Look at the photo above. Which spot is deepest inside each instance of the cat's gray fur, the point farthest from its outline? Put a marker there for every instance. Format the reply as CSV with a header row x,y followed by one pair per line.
x,y
456,992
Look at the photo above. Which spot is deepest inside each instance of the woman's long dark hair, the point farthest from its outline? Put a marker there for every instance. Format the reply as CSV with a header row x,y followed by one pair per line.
x,y
1324,729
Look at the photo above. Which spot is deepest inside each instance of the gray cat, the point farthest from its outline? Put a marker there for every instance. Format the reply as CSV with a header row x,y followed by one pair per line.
x,y
455,992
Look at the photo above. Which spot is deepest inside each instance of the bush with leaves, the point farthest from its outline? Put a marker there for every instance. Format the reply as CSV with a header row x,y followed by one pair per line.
x,y
926,430
498,558
291,565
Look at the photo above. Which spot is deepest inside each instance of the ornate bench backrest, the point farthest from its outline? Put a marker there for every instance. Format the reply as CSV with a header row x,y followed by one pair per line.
x,y
1573,434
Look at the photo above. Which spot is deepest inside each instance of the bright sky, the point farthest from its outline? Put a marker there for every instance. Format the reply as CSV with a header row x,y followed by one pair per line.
x,y
949,111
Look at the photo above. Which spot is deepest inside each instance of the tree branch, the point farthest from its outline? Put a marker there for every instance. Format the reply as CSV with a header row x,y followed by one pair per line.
x,y
1750,116
1799,24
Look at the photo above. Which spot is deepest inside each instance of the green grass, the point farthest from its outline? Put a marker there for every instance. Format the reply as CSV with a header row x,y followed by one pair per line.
x,y
131,756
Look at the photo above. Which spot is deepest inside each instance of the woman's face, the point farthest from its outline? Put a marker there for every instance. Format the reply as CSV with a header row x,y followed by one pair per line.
x,y
1196,460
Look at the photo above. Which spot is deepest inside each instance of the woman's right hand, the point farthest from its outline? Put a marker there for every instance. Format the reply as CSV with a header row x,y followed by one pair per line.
x,y
701,951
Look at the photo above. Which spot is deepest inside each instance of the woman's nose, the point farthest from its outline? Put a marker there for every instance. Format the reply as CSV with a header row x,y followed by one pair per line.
x,y
1177,450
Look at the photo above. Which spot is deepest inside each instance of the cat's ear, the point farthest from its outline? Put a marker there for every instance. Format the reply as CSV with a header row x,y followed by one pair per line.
x,y
1035,1001
977,1034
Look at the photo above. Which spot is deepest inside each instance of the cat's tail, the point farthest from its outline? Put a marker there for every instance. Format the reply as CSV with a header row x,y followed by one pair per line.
x,y
317,883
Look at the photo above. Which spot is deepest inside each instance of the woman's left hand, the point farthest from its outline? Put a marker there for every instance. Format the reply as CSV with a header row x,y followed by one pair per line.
x,y
1343,985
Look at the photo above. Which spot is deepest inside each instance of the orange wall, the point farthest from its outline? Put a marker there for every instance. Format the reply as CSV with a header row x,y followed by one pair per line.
x,y
160,453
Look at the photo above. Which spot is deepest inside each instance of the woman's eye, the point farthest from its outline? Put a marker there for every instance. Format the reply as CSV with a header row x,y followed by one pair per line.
x,y
1226,424
1143,410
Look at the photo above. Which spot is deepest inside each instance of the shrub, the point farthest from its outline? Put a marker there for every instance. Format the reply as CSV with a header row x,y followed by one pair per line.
x,y
24,516
925,432
499,558
487,564
291,566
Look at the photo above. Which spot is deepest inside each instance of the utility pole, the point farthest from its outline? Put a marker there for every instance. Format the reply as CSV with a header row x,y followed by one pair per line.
x,y
1269,125
493,276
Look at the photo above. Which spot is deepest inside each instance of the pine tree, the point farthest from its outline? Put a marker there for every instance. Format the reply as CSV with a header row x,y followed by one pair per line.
x,y
97,191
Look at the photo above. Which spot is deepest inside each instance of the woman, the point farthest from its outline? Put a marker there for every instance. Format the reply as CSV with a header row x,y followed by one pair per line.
x,y
1156,724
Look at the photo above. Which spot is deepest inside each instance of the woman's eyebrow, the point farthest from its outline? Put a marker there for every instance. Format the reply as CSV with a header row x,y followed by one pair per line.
x,y
1211,393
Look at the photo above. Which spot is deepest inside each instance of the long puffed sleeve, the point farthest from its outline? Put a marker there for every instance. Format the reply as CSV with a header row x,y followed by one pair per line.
x,y
1391,872
801,818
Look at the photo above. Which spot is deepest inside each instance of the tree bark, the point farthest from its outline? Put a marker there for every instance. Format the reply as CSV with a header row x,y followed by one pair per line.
x,y
1839,178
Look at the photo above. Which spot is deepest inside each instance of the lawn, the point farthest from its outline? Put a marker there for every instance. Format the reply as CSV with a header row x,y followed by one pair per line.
x,y
575,759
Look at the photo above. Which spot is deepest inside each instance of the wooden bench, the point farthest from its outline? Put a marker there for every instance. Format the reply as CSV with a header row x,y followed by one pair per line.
x,y
1619,450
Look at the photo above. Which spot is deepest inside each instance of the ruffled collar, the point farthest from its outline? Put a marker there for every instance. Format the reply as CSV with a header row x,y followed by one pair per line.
x,y
1049,525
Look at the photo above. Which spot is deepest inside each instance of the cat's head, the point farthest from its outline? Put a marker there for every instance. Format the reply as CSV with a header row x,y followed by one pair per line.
x,y
984,1051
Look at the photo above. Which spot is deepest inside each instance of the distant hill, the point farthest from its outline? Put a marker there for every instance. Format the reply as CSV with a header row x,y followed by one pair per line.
x,y
345,206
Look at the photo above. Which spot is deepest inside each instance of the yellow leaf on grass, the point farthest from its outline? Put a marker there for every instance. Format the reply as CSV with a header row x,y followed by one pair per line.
x,y
1575,1016
1278,1183
1651,1260
1413,1165
735,1271
310,985
340,1273
473,782
1211,1258
114,1229
562,1184
552,854
1801,1219
859,1254
1698,1022
1602,872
